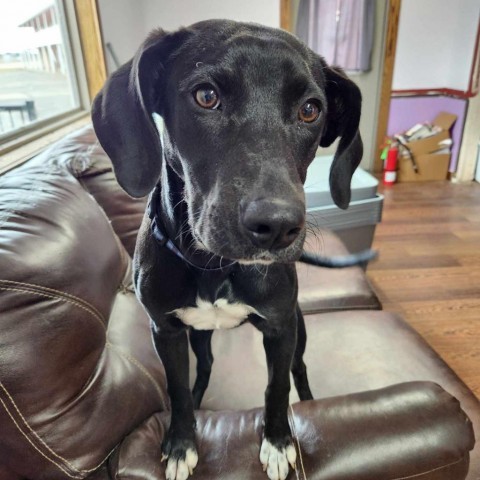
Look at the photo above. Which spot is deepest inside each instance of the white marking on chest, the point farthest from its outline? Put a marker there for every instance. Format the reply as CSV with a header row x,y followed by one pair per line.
x,y
212,316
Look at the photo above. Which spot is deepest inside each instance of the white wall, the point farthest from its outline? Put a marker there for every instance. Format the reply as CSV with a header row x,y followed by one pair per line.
x,y
126,23
122,26
477,171
370,84
435,44
172,14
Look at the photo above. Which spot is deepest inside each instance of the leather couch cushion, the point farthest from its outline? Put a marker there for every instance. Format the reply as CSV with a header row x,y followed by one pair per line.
x,y
77,366
347,352
413,430
81,155
328,290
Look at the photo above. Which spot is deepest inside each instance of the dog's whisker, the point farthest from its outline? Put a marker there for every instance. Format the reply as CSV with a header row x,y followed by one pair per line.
x,y
316,238
183,230
182,200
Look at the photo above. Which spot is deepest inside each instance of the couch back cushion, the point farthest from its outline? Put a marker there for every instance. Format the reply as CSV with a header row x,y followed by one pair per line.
x,y
81,155
77,366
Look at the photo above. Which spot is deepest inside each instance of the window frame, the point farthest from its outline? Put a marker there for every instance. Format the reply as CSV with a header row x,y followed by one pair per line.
x,y
81,27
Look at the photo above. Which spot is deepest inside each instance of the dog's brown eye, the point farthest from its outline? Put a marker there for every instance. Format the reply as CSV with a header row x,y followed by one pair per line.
x,y
308,112
207,97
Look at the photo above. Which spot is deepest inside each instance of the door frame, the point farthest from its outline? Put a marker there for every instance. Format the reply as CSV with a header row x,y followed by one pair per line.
x,y
388,62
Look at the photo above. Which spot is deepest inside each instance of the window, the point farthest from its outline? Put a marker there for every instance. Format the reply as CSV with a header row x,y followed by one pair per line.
x,y
39,80
340,30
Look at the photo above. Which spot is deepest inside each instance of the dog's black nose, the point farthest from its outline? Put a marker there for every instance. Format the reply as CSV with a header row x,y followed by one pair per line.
x,y
273,223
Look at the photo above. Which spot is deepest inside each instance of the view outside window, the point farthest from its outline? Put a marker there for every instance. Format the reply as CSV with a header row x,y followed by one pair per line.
x,y
36,80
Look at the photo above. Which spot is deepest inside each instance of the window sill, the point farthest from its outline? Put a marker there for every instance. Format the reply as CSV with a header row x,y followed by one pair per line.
x,y
16,152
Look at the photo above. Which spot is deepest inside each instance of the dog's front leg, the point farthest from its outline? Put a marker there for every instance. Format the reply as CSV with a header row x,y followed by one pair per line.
x,y
277,449
179,444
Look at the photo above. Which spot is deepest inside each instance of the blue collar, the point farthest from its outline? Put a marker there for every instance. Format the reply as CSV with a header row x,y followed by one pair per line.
x,y
162,239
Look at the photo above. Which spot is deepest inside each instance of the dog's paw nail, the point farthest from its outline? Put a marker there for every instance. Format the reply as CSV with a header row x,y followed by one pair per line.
x,y
191,459
164,457
292,456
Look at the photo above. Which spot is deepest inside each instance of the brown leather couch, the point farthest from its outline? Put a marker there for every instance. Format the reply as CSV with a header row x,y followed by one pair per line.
x,y
83,394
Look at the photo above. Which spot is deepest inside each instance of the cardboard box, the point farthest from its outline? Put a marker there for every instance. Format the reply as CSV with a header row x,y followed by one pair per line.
x,y
431,165
429,144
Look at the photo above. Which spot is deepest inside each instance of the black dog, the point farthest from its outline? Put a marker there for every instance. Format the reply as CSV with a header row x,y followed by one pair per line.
x,y
245,108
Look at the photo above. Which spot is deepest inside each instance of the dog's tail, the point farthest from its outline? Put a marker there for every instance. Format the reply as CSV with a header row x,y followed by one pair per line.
x,y
341,261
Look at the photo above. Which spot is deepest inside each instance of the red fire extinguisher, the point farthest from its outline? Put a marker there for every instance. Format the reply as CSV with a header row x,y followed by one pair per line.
x,y
390,170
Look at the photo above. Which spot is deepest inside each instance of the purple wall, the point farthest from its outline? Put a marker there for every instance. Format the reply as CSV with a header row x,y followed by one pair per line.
x,y
407,111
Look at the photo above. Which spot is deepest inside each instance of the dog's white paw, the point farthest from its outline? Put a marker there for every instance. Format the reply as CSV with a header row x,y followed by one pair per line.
x,y
275,461
180,469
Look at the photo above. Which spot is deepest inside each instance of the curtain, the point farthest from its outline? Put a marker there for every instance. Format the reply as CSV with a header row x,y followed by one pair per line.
x,y
339,30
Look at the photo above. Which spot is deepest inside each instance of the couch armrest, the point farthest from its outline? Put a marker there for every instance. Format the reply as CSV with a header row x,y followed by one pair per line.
x,y
410,430
78,369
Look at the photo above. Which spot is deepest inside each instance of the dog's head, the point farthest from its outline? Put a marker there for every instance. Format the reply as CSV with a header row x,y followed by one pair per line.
x,y
245,108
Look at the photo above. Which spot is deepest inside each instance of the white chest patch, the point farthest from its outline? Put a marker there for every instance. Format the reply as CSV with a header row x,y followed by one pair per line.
x,y
212,316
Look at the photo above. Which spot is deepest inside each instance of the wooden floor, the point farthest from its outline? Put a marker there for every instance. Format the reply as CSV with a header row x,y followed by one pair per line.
x,y
429,267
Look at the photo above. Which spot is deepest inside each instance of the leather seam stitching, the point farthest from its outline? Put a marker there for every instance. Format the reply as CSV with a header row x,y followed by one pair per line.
x,y
53,290
139,365
429,471
34,446
292,424
295,436
59,297
39,438
107,344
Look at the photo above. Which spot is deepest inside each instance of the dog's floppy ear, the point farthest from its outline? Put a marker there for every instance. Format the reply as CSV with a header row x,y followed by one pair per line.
x,y
343,117
122,114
